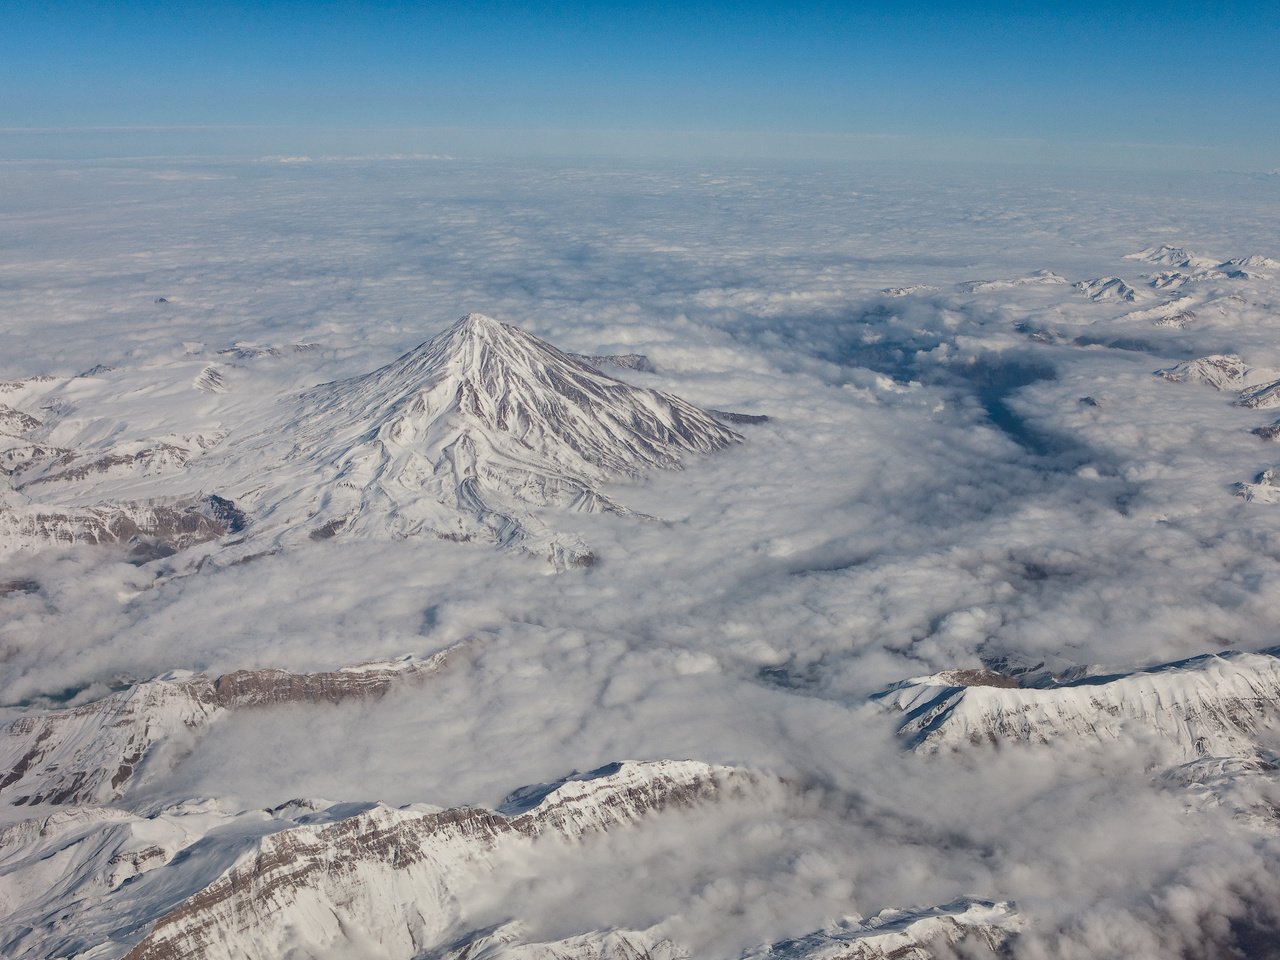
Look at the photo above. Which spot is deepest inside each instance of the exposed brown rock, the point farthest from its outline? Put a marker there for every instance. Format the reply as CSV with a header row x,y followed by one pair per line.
x,y
162,527
16,421
979,678
311,861
105,463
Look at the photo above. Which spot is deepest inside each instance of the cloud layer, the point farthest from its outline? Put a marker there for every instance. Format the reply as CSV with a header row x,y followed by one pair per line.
x,y
930,491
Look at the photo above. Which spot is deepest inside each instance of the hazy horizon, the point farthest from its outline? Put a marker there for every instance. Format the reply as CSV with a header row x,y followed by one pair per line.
x,y
1075,85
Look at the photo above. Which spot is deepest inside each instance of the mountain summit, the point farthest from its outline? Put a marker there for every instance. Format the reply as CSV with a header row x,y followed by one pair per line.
x,y
464,434
482,375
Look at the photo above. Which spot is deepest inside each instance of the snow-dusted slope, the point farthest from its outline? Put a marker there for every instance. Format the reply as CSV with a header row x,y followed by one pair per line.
x,y
1107,288
94,753
1220,371
150,528
470,436
398,874
466,435
962,928
509,941
1210,705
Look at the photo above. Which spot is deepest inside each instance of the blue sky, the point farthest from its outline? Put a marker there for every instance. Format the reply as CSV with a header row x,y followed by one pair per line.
x,y
1171,84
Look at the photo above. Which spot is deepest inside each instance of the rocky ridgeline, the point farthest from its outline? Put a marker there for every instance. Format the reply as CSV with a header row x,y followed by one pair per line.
x,y
147,529
1207,706
92,754
313,878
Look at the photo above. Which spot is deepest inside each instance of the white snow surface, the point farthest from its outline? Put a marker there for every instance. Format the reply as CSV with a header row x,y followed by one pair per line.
x,y
971,925
483,421
260,884
1207,706
466,437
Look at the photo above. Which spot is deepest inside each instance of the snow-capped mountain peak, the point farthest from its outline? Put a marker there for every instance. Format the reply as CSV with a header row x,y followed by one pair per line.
x,y
465,433
468,436
502,380
1167,255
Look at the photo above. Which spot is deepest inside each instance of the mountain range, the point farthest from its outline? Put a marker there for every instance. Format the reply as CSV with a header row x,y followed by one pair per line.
x,y
471,436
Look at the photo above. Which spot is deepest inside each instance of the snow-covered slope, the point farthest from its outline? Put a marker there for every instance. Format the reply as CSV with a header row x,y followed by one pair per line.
x,y
1190,268
624,361
1210,705
1040,278
16,422
1170,256
467,435
1107,288
149,528
314,879
94,753
470,436
1220,371
399,874
1264,488
962,928
1171,313
1262,396
1257,390
135,458
1251,267
89,754
509,941
908,290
